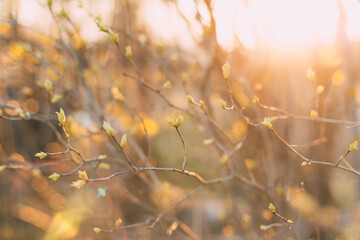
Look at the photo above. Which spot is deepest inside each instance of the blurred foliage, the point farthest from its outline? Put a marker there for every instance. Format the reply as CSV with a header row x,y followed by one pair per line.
x,y
113,93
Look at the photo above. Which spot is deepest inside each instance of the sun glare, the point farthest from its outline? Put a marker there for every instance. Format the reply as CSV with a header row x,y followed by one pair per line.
x,y
271,24
274,24
283,23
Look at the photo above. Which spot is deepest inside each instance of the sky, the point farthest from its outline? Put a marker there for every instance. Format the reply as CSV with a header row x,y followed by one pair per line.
x,y
275,23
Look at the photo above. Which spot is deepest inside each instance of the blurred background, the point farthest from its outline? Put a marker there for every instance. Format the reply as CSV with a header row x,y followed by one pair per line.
x,y
299,56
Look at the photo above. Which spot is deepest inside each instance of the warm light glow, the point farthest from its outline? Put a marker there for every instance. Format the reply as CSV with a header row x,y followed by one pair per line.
x,y
287,23
166,24
276,23
283,23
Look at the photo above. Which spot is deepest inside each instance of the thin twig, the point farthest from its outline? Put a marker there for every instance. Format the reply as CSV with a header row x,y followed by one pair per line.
x,y
123,152
192,174
184,145
310,161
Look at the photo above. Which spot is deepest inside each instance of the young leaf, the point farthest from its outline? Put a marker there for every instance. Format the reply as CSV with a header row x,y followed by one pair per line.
x,y
118,222
354,146
185,78
78,184
167,85
108,129
54,176
189,99
102,157
267,123
41,155
55,98
61,117
123,141
83,175
272,208
222,103
128,51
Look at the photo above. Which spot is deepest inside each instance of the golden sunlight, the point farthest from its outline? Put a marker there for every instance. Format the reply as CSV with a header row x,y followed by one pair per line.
x,y
277,23
258,23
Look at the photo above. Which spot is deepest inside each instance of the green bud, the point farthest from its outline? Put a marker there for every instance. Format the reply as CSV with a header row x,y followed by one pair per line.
x,y
222,103
113,36
354,146
61,117
62,13
54,176
128,51
263,227
41,155
49,3
167,85
123,141
108,129
55,98
179,121
272,208
104,166
189,99
185,78
102,157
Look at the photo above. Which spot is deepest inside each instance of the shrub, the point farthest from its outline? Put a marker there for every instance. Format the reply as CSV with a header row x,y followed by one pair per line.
x,y
128,137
